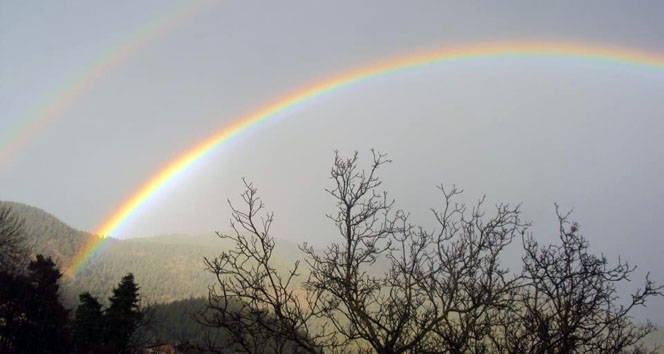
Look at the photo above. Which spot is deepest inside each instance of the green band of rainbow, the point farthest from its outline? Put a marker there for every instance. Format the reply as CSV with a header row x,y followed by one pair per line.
x,y
63,98
576,51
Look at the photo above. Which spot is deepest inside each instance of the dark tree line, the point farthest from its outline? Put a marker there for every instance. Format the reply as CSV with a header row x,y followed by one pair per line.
x,y
115,329
32,318
388,286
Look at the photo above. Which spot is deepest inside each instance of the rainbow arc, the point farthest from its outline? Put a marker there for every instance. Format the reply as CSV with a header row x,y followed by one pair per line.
x,y
567,50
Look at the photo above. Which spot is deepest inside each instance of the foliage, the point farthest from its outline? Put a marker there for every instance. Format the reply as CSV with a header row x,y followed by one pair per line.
x,y
177,325
32,318
124,316
88,325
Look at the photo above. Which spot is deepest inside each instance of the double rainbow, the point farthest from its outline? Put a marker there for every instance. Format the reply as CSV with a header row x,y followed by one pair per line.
x,y
566,50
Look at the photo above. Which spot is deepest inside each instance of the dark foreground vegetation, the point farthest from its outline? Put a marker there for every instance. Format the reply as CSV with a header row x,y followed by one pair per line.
x,y
386,286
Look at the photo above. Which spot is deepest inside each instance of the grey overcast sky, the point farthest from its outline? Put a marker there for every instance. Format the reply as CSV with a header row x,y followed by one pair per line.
x,y
585,134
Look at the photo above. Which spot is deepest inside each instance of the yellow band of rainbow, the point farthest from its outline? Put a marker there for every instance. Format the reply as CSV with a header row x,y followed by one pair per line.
x,y
577,51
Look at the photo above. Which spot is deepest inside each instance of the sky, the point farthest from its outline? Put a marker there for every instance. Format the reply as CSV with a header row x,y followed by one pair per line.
x,y
533,131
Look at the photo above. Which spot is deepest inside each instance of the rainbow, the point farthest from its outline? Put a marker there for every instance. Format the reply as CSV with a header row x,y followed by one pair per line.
x,y
63,98
575,51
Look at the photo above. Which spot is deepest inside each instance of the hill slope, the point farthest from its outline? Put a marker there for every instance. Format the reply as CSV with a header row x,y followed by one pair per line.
x,y
46,234
166,267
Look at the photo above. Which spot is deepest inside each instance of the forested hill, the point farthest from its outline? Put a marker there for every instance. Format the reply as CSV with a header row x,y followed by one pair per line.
x,y
46,234
166,267
165,271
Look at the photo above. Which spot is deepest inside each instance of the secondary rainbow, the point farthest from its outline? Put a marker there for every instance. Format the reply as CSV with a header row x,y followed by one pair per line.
x,y
575,51
63,98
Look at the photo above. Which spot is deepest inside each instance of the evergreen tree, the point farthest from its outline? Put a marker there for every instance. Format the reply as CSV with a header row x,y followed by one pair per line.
x,y
39,321
88,325
123,315
14,290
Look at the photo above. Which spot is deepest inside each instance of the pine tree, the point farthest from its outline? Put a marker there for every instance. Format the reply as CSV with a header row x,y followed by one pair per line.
x,y
14,290
44,321
123,315
88,325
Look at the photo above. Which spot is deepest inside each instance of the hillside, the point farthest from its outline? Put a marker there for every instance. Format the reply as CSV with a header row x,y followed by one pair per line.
x,y
46,234
165,271
166,267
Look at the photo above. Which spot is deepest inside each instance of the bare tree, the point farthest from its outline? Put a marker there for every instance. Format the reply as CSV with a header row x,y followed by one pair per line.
x,y
439,284
261,308
14,253
568,301
388,286
141,335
